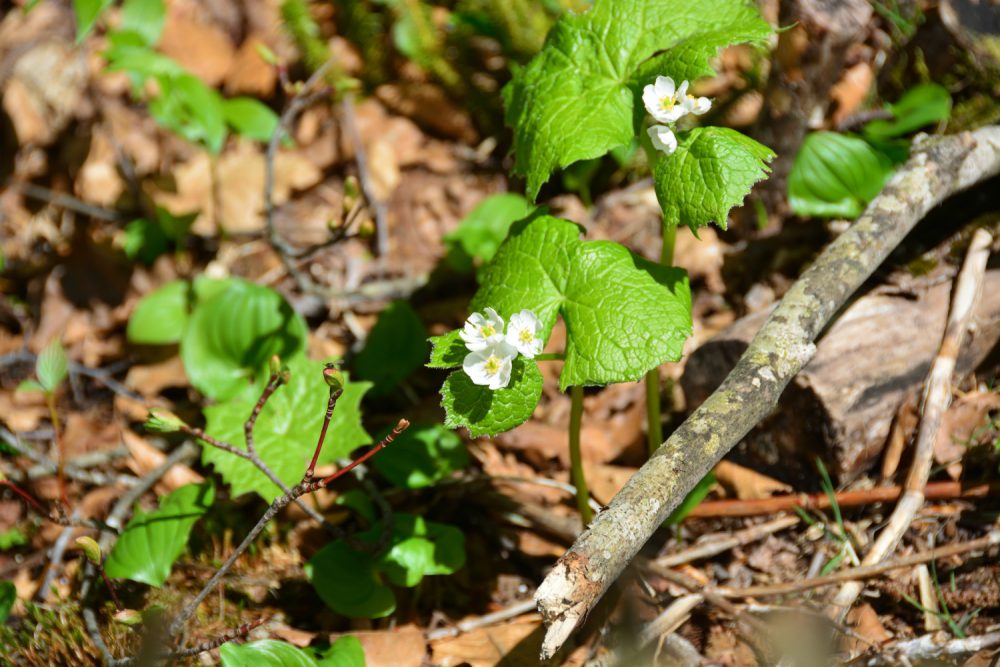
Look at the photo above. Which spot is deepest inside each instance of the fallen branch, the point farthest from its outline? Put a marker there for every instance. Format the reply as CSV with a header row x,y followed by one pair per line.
x,y
818,501
936,399
864,571
779,350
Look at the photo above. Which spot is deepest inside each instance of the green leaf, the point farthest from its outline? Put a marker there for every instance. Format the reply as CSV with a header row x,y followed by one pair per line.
x,y
11,538
581,96
125,55
264,653
144,241
8,596
348,582
351,582
836,175
485,411
420,548
692,500
150,543
232,335
481,232
624,315
87,13
51,366
711,171
448,351
919,106
421,456
250,117
144,18
396,346
161,316
345,652
175,227
286,431
190,108
29,385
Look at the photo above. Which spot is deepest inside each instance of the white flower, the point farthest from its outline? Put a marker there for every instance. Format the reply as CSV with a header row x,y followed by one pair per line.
x,y
696,105
524,333
491,365
664,101
480,331
663,139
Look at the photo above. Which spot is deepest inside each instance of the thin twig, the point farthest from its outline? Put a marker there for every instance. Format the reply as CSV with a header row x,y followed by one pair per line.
x,y
928,649
211,644
56,556
302,488
302,99
935,401
69,202
864,571
714,547
375,203
513,611
883,494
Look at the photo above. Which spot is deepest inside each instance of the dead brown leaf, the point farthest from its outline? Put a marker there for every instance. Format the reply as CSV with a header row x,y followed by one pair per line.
x,y
45,91
202,48
248,73
429,106
403,646
747,484
98,181
149,380
606,480
145,457
851,91
959,426
516,643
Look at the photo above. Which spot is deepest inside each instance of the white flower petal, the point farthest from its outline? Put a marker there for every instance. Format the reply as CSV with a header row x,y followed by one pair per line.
x,y
663,138
650,99
525,333
698,105
665,87
479,330
490,367
682,90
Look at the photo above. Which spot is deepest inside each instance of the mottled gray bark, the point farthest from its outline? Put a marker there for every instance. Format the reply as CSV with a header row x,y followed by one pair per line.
x,y
781,348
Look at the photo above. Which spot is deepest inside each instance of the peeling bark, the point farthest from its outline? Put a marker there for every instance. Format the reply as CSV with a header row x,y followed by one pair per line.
x,y
781,348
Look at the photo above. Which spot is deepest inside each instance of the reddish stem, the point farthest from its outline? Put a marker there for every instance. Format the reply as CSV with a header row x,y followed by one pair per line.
x,y
331,404
37,506
400,427
111,588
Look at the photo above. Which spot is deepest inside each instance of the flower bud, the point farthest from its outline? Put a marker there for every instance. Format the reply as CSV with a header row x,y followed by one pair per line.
x,y
128,617
334,378
163,421
90,548
275,364
351,187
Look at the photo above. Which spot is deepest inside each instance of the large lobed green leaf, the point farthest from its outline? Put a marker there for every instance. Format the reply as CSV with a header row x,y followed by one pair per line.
x,y
286,431
345,652
150,543
581,96
624,315
711,171
485,411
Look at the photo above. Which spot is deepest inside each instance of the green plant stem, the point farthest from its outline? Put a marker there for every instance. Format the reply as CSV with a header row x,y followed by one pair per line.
x,y
575,458
50,400
654,426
